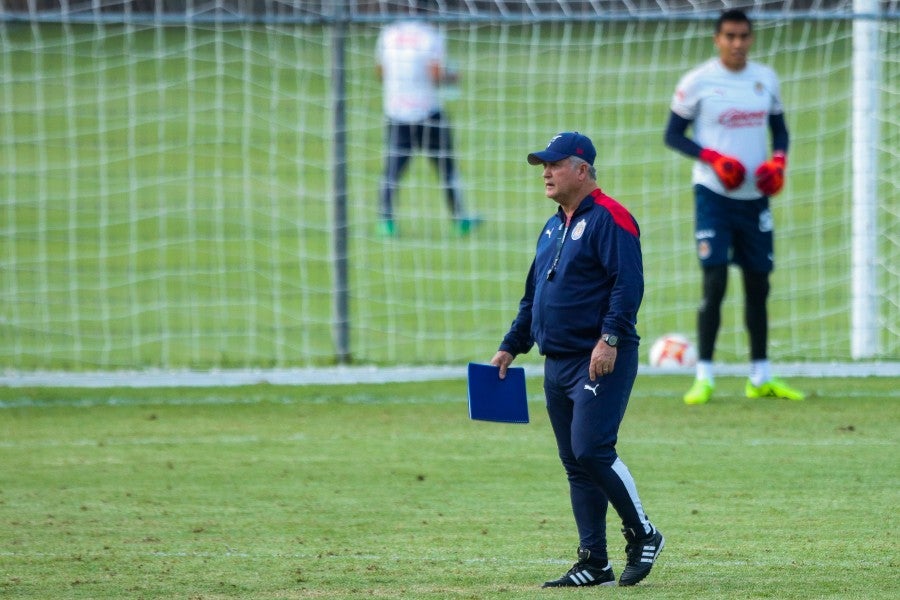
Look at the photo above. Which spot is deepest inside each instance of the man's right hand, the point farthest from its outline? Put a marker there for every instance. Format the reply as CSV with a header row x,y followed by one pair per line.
x,y
728,169
502,359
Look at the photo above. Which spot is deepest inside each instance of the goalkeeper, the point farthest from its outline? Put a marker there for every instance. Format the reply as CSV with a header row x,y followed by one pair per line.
x,y
410,62
733,104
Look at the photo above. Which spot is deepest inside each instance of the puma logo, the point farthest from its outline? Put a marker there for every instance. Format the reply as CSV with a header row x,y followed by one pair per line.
x,y
593,389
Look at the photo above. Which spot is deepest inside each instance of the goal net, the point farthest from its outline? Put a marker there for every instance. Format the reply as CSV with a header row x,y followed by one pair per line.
x,y
168,194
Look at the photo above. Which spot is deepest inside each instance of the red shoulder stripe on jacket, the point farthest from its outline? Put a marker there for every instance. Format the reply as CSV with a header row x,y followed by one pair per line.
x,y
619,213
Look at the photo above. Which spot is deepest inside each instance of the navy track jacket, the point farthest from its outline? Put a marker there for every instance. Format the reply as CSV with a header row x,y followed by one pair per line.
x,y
586,279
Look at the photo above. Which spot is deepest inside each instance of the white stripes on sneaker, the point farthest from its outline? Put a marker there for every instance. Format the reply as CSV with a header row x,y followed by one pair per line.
x,y
581,577
649,552
584,577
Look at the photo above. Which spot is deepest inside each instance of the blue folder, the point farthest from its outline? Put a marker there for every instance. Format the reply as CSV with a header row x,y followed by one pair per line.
x,y
495,399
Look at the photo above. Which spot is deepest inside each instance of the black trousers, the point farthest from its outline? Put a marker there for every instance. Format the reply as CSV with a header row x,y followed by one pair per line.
x,y
433,138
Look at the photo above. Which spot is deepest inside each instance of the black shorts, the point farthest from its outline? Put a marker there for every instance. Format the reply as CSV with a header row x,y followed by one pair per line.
x,y
432,136
733,231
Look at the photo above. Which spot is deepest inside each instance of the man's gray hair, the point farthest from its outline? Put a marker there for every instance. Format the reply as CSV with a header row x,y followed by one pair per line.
x,y
592,172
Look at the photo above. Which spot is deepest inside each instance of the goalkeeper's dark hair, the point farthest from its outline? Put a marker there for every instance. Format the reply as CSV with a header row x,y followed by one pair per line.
x,y
734,15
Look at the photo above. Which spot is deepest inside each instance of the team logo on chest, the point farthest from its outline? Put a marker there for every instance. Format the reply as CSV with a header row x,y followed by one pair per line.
x,y
578,231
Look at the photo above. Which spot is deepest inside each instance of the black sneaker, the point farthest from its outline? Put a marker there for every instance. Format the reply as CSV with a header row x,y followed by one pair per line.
x,y
584,573
641,554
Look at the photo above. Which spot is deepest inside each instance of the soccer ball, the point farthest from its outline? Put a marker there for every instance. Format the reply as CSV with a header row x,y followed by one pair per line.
x,y
673,350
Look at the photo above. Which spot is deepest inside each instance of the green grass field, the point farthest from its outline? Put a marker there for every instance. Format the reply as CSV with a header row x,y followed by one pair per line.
x,y
166,203
167,192
390,491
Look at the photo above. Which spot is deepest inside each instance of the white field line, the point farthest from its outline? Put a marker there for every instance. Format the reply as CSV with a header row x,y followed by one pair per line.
x,y
301,438
371,374
535,398
437,558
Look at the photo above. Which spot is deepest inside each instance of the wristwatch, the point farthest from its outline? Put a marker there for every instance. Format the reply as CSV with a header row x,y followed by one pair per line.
x,y
610,339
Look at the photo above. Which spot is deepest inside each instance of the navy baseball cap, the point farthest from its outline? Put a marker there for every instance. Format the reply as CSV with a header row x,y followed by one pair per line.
x,y
564,145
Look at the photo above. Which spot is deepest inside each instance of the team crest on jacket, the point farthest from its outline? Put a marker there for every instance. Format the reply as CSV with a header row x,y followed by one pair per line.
x,y
579,229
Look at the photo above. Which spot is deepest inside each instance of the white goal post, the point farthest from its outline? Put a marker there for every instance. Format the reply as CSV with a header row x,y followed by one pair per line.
x,y
194,185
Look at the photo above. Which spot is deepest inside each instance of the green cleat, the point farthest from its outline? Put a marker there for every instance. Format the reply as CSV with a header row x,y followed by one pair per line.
x,y
774,388
386,228
700,392
465,225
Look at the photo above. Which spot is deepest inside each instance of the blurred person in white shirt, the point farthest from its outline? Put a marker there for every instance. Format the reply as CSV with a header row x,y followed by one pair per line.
x,y
411,62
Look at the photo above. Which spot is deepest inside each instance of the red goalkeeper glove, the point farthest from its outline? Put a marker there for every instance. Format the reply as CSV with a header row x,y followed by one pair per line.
x,y
770,175
728,169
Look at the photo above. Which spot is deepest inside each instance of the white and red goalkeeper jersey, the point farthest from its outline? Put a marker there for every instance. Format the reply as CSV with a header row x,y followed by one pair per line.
x,y
730,113
406,50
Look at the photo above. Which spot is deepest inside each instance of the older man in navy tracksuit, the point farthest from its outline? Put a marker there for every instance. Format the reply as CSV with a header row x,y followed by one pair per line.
x,y
580,306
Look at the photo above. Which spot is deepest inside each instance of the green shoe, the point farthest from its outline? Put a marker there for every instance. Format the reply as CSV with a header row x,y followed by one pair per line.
x,y
700,392
386,228
465,225
773,388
